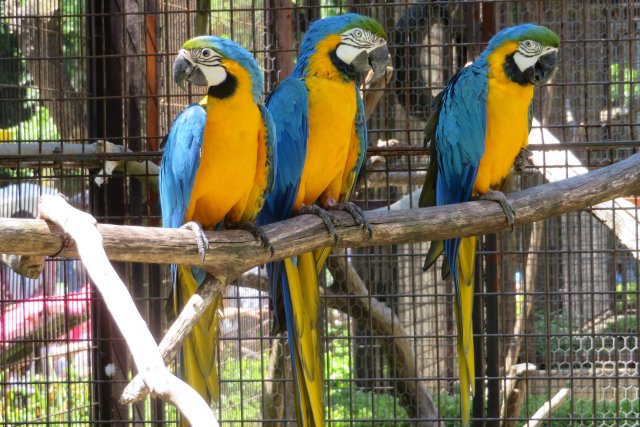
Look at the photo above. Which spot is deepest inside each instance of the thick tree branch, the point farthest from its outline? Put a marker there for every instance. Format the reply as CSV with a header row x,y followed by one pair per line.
x,y
234,251
145,353
27,266
548,408
210,289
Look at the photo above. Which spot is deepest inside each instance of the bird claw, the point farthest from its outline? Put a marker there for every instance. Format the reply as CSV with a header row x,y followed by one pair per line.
x,y
324,216
201,238
258,233
358,215
499,197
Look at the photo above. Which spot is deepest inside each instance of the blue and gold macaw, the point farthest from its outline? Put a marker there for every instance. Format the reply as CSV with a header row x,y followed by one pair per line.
x,y
217,168
322,140
480,125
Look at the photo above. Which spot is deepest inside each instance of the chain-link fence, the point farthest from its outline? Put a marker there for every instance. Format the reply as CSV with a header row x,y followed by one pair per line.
x,y
560,294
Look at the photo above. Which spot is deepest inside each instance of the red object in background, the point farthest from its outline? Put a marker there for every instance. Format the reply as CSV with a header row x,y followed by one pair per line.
x,y
20,320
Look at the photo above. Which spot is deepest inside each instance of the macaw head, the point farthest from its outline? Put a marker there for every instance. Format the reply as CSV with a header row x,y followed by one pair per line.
x,y
351,43
220,64
528,53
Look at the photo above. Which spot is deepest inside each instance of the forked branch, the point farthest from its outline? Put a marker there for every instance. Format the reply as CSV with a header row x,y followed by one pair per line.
x,y
81,227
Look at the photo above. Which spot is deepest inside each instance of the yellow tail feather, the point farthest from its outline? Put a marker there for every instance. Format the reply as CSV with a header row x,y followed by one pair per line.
x,y
199,367
464,323
321,255
305,300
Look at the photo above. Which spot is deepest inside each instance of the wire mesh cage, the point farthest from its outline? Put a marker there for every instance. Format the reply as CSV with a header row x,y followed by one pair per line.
x,y
86,96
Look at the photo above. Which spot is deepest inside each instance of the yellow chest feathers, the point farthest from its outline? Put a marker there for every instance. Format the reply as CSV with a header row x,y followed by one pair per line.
x,y
507,124
332,111
228,163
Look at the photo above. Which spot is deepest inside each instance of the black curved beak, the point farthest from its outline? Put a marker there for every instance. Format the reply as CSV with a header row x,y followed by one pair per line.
x,y
185,70
544,68
375,60
378,60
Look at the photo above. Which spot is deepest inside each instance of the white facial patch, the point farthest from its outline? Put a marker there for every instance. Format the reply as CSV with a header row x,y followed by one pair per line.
x,y
528,53
355,41
347,53
208,61
215,74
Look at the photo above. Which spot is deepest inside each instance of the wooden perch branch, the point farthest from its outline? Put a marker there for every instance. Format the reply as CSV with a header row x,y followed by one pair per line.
x,y
143,170
548,408
234,251
516,390
27,266
82,228
171,342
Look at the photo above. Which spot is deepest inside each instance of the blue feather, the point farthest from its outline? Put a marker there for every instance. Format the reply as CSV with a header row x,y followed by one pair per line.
x,y
180,163
460,134
289,107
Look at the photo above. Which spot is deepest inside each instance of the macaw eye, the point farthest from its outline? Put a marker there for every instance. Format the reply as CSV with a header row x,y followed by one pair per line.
x,y
527,43
206,53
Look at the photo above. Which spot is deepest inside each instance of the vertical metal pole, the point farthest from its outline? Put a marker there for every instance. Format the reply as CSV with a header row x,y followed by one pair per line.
x,y
155,305
492,284
104,28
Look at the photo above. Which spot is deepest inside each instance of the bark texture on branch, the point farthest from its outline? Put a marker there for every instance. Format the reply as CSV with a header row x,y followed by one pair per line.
x,y
82,228
516,390
27,266
232,252
235,251
210,289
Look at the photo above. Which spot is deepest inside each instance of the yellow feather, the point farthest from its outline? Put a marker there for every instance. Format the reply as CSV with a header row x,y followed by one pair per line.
x,y
321,255
464,323
305,299
232,158
332,111
201,345
507,128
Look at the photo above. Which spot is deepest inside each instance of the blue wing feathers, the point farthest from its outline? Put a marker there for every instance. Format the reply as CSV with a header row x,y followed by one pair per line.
x,y
180,163
460,136
289,107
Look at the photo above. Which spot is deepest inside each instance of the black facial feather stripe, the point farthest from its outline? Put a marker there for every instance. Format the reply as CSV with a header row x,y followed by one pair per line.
x,y
212,59
360,39
530,48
